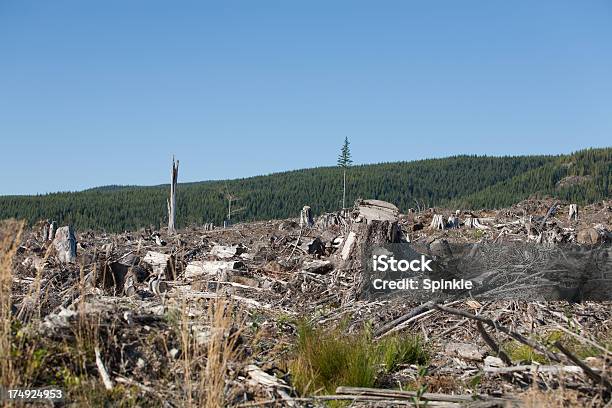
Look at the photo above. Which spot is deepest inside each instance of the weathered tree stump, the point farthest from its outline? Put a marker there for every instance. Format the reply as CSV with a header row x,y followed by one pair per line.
x,y
453,222
469,222
437,222
365,237
588,236
65,244
51,233
375,223
44,230
162,264
306,219
325,221
573,212
473,222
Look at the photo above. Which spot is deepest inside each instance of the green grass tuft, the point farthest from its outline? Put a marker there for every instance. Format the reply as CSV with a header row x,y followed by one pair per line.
x,y
328,359
398,350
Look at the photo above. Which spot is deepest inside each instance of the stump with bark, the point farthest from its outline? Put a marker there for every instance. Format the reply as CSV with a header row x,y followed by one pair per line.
x,y
375,224
368,236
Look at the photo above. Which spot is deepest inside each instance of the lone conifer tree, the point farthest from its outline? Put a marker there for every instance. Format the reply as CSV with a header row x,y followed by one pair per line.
x,y
344,161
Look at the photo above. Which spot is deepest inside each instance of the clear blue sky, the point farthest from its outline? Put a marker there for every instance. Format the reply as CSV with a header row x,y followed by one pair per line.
x,y
103,92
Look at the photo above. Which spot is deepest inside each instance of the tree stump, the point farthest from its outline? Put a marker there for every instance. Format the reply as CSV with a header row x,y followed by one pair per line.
x,y
453,222
51,233
45,229
360,242
437,222
65,244
328,220
306,219
588,236
469,222
573,212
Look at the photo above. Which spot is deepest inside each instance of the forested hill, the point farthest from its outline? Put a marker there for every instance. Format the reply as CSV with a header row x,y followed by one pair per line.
x,y
466,181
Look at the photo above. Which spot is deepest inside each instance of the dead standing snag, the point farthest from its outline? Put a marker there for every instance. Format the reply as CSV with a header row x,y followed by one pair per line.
x,y
172,200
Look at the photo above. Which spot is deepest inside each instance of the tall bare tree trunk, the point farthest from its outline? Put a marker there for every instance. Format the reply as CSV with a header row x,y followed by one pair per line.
x,y
344,192
172,201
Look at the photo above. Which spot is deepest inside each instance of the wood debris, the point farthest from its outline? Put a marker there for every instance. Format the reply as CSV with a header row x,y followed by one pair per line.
x,y
149,290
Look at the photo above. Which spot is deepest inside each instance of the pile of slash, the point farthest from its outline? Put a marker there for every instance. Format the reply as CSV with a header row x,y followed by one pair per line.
x,y
148,290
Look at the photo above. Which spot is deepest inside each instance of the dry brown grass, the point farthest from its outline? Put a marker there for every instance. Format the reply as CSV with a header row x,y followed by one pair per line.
x,y
30,360
222,349
206,366
535,398
10,237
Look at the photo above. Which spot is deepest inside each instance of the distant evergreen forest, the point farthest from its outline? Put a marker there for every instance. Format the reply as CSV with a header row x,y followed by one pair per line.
x,y
467,182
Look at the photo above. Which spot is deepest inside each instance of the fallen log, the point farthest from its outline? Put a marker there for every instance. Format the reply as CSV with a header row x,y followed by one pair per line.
x,y
597,379
262,378
386,401
534,368
108,384
414,312
198,268
318,266
224,252
551,211
377,401
583,339
376,392
495,324
492,344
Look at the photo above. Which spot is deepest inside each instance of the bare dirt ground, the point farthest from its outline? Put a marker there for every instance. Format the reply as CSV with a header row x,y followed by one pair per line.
x,y
217,317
